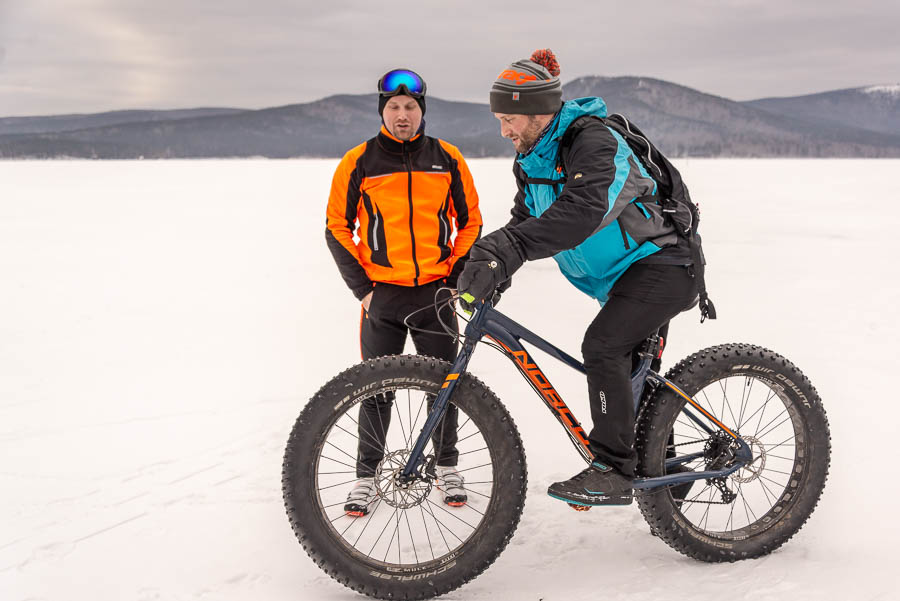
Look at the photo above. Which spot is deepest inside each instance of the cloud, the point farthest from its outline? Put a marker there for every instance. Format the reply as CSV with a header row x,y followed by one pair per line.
x,y
105,54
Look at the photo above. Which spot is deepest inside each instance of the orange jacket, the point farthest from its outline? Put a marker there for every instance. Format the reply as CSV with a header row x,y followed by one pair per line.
x,y
404,201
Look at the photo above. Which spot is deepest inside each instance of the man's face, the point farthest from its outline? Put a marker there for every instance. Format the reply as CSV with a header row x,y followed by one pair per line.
x,y
402,117
522,130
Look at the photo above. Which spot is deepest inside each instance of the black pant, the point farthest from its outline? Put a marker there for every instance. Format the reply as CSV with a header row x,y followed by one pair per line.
x,y
644,299
382,332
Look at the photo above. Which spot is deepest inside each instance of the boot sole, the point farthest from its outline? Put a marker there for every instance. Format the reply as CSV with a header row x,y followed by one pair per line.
x,y
615,501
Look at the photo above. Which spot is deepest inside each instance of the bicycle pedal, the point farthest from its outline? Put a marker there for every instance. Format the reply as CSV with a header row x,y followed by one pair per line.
x,y
579,507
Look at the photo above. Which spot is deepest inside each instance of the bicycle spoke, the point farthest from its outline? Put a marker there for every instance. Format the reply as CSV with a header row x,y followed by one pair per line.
x,y
468,437
430,502
475,451
400,419
767,432
760,408
463,425
774,471
724,403
467,489
690,423
413,427
388,523
705,518
409,416
396,533
340,450
765,406
731,513
769,480
744,403
770,496
473,468
411,537
366,442
747,508
440,524
341,462
771,456
335,485
427,536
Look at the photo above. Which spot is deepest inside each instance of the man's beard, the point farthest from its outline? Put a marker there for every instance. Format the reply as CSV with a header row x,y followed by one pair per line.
x,y
528,137
404,136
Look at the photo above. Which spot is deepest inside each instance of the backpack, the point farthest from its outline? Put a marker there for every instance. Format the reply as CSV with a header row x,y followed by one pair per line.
x,y
672,194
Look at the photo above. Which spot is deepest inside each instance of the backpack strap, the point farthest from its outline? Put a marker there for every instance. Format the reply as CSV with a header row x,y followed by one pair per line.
x,y
698,270
575,127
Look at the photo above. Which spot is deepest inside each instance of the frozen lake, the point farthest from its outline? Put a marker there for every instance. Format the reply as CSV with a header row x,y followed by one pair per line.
x,y
163,323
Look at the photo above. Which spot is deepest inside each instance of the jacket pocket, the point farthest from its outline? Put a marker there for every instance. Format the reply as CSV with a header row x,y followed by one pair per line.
x,y
376,239
443,240
645,221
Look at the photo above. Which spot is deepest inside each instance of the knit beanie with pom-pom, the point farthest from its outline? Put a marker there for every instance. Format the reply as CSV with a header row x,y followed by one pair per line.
x,y
528,86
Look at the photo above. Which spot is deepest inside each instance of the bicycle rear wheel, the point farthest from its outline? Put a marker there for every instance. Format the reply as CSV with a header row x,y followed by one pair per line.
x,y
410,545
773,407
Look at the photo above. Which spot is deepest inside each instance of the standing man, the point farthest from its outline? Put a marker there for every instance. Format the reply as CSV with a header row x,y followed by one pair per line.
x,y
579,200
410,200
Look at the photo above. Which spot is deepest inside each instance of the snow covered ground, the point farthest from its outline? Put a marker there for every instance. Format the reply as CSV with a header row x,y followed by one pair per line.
x,y
163,323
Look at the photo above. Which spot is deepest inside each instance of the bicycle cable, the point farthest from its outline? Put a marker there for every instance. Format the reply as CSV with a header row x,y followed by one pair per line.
x,y
448,330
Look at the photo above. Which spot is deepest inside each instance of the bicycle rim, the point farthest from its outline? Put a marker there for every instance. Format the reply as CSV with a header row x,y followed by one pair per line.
x,y
405,527
764,417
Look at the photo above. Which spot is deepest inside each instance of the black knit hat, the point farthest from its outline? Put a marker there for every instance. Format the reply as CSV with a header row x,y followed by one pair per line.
x,y
528,86
383,100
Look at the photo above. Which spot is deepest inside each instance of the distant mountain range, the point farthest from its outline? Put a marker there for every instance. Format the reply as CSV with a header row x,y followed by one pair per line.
x,y
859,122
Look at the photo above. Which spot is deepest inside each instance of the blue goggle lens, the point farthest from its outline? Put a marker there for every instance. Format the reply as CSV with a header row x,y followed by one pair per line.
x,y
392,82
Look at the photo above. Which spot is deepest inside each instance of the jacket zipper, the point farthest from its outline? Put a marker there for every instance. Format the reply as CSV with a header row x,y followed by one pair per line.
x,y
446,227
412,234
375,232
649,148
624,237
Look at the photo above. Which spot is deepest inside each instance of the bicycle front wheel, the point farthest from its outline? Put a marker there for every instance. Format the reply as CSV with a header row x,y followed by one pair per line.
x,y
410,545
772,406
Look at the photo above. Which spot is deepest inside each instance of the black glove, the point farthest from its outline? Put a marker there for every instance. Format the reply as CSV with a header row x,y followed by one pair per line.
x,y
503,287
492,261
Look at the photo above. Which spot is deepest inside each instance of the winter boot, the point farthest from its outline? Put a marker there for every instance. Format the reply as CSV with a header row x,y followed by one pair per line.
x,y
452,486
599,484
362,498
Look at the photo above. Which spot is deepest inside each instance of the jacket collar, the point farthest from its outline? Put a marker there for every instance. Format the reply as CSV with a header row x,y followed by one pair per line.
x,y
546,148
392,144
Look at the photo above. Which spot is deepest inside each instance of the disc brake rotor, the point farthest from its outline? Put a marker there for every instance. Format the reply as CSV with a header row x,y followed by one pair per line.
x,y
752,470
387,482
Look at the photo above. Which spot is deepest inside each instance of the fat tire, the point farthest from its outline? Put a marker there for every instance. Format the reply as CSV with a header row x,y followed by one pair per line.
x,y
655,423
426,579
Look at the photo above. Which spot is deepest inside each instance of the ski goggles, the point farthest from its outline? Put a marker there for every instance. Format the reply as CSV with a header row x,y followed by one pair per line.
x,y
401,81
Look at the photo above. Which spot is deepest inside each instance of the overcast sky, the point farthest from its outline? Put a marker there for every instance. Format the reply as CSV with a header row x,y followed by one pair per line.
x,y
60,56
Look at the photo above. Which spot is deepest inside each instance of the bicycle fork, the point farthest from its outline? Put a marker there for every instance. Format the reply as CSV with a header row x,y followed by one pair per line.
x,y
414,465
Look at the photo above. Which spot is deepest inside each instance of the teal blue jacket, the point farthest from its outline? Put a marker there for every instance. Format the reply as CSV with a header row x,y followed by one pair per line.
x,y
584,208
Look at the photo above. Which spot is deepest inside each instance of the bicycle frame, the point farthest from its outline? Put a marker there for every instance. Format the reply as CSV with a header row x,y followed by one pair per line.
x,y
487,321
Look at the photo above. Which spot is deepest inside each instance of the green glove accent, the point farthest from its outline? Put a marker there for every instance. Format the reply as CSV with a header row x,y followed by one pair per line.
x,y
469,299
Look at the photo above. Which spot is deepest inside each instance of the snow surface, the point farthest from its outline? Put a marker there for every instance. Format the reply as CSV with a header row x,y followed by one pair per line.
x,y
892,90
163,323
